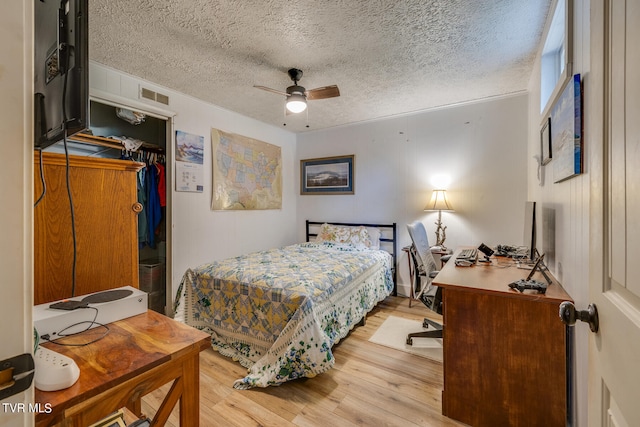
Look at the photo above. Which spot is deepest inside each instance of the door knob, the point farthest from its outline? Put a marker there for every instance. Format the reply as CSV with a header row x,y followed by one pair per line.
x,y
569,315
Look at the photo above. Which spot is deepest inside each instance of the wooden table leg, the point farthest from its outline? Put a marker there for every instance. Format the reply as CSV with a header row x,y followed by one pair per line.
x,y
135,407
190,401
169,402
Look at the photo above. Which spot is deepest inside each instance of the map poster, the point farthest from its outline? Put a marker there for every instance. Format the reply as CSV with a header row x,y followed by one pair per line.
x,y
189,162
247,173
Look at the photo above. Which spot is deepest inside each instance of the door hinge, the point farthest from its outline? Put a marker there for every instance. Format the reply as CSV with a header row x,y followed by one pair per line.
x,y
16,375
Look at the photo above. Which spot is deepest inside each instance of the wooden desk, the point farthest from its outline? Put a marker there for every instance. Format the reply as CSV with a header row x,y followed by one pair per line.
x,y
504,351
139,355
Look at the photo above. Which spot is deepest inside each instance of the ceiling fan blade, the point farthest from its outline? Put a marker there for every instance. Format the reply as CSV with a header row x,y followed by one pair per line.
x,y
268,89
323,92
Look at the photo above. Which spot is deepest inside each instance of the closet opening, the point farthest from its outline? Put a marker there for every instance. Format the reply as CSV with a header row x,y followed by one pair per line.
x,y
145,137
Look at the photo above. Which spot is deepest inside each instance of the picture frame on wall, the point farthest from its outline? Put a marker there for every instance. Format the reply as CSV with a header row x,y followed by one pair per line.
x,y
327,175
566,136
546,152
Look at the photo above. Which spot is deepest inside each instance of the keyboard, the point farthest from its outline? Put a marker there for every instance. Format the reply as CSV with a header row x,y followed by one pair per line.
x,y
470,254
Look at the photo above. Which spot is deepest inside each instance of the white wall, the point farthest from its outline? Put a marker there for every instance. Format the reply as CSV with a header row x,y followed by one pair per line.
x,y
566,205
198,234
482,147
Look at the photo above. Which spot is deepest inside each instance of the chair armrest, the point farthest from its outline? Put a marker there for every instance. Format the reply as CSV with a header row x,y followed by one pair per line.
x,y
433,274
445,258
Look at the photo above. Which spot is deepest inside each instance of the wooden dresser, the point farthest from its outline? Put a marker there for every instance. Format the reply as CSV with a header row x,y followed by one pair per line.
x,y
106,207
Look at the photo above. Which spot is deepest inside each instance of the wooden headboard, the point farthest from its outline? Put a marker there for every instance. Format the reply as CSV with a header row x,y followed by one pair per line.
x,y
388,239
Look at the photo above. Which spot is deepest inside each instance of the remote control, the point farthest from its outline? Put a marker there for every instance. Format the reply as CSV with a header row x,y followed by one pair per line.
x,y
54,371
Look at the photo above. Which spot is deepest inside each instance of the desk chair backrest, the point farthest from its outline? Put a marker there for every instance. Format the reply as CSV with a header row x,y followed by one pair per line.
x,y
426,262
425,267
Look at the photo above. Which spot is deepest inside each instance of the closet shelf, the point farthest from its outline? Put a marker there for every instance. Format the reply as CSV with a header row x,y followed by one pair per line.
x,y
97,140
110,142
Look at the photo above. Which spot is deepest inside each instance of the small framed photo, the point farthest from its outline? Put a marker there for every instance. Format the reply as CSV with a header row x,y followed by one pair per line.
x,y
114,420
545,142
328,175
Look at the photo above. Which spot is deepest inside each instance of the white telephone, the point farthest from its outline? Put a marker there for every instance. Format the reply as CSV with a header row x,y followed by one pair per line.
x,y
54,371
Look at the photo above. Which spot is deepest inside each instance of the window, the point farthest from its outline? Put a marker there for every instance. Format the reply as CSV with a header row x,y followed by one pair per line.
x,y
555,62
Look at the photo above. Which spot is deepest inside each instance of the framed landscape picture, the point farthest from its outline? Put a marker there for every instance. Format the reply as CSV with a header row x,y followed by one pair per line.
x,y
328,175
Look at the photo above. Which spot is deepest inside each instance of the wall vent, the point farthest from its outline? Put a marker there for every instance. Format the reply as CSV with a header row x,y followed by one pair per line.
x,y
163,99
153,96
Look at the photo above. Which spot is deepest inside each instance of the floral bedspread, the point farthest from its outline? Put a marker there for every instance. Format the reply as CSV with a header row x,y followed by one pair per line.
x,y
279,312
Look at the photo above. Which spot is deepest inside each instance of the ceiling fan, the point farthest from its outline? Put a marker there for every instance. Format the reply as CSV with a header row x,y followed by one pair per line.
x,y
297,96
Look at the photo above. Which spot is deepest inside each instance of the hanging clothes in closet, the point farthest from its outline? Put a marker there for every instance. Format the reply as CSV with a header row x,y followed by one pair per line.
x,y
152,196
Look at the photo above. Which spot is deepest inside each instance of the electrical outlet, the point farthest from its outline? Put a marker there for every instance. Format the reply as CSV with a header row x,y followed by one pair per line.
x,y
54,371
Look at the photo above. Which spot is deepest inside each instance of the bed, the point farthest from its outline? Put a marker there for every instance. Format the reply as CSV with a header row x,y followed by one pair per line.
x,y
279,312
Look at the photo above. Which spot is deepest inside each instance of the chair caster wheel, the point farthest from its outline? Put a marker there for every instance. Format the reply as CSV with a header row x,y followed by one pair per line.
x,y
409,341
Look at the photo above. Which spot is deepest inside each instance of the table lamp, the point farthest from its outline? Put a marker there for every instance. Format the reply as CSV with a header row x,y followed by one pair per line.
x,y
439,203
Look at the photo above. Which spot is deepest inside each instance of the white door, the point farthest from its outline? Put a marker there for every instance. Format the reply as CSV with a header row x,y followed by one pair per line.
x,y
16,297
613,129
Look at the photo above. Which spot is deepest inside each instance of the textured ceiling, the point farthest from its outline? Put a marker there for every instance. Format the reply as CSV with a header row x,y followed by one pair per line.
x,y
387,57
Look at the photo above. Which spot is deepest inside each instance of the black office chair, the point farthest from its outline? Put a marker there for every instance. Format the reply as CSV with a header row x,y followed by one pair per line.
x,y
425,271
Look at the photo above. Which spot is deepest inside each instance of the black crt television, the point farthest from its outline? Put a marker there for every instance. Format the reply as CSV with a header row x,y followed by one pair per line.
x,y
530,229
61,70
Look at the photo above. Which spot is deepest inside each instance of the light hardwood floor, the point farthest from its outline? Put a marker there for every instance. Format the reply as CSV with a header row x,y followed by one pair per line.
x,y
370,385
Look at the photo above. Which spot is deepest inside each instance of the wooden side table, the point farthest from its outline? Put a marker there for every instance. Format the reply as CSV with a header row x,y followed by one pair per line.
x,y
138,355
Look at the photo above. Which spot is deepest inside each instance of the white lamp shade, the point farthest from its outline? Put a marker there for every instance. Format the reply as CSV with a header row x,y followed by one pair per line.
x,y
438,202
296,103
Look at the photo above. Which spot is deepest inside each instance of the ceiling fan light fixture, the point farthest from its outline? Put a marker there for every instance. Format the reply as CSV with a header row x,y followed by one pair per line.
x,y
296,103
297,96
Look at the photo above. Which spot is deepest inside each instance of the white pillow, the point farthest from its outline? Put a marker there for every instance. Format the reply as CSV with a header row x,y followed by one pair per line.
x,y
374,237
356,236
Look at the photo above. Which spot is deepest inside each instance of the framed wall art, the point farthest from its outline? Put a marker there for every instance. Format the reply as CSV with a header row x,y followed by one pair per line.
x,y
566,132
328,175
545,142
